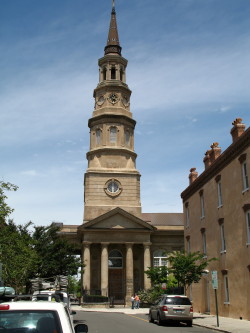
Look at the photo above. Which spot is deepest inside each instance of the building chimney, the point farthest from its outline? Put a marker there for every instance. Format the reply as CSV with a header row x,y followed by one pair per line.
x,y
238,129
193,175
206,159
212,154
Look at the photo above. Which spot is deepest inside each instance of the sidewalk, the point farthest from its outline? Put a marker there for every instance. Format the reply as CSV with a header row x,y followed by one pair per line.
x,y
228,325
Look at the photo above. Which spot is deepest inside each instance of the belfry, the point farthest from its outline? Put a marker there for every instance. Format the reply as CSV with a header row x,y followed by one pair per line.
x,y
117,242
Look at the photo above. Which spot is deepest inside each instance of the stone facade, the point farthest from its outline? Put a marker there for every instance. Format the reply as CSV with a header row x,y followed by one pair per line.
x,y
117,242
217,223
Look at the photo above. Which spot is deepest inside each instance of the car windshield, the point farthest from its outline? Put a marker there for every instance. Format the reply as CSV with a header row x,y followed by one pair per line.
x,y
177,301
29,321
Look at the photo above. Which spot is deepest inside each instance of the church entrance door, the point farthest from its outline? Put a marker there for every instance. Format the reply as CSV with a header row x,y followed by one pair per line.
x,y
116,285
116,277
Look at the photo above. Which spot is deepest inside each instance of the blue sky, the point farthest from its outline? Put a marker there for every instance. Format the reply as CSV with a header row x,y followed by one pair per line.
x,y
189,72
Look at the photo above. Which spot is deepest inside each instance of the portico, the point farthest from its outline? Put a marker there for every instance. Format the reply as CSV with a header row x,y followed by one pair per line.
x,y
116,252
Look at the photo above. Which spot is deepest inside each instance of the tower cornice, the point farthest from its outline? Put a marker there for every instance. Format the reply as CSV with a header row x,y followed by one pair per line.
x,y
110,118
112,57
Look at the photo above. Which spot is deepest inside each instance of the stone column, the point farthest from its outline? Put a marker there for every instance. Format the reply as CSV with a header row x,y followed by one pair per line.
x,y
129,272
104,269
147,263
86,269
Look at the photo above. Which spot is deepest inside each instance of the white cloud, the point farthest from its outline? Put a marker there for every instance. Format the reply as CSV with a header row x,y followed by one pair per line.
x,y
32,173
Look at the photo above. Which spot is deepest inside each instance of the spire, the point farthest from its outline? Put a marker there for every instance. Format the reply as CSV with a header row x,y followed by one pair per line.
x,y
113,45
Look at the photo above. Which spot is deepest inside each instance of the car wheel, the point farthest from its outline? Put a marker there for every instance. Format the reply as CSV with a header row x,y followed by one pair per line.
x,y
189,323
159,321
150,319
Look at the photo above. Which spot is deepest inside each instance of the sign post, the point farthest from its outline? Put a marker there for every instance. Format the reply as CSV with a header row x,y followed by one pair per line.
x,y
215,287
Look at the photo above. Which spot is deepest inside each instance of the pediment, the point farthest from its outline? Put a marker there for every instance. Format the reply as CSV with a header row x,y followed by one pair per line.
x,y
117,219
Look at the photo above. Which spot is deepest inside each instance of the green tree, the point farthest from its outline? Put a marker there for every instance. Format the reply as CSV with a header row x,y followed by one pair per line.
x,y
157,275
17,255
56,256
187,268
5,210
74,287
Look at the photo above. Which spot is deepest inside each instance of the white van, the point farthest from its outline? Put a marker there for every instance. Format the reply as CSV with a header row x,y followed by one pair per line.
x,y
52,295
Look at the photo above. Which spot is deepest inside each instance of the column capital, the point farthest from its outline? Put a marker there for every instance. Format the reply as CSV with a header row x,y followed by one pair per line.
x,y
86,243
147,244
129,244
103,244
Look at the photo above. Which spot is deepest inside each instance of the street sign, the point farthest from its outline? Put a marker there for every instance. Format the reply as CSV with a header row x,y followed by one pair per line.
x,y
215,287
214,280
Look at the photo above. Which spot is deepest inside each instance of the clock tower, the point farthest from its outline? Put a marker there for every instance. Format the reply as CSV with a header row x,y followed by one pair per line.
x,y
111,179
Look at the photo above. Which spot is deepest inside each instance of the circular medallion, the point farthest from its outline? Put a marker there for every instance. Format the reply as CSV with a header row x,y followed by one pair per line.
x,y
113,98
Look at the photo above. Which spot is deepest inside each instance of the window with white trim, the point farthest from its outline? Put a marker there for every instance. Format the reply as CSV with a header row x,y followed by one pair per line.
x,y
226,289
248,226
245,176
204,242
223,239
219,193
160,258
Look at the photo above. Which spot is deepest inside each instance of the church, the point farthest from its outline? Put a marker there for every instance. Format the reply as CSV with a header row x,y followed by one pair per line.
x,y
117,242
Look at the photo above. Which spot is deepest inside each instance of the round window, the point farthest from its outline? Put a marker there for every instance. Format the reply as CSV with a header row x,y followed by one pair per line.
x,y
113,187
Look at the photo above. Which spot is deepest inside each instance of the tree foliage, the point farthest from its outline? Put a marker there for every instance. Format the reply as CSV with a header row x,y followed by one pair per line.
x,y
187,268
74,287
17,254
157,275
27,253
5,210
56,256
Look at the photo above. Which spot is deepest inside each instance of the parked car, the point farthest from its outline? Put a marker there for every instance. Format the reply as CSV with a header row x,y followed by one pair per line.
x,y
37,317
172,307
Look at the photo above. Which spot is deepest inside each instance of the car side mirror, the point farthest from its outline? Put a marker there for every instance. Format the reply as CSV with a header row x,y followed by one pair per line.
x,y
81,328
72,312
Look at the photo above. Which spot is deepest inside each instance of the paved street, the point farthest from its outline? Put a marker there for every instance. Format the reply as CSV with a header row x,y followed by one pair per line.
x,y
115,322
202,322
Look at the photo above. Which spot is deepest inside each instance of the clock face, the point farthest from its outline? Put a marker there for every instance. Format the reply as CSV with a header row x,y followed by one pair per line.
x,y
113,98
113,187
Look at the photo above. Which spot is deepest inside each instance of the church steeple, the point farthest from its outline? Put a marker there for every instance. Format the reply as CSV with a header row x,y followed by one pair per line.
x,y
113,44
111,179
